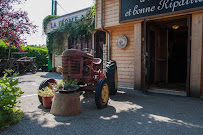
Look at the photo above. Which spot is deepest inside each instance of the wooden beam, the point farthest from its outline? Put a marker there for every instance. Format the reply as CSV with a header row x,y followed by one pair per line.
x,y
144,89
196,51
167,56
137,59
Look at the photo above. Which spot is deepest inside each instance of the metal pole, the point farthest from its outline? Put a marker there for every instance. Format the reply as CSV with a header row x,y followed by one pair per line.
x,y
55,7
52,8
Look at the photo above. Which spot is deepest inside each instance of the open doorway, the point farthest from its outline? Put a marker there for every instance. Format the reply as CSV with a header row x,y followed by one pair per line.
x,y
167,54
100,40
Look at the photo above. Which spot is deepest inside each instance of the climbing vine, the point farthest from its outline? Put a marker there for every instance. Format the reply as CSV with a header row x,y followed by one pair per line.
x,y
46,21
77,30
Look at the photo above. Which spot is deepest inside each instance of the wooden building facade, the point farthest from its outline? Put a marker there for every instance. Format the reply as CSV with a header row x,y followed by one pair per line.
x,y
164,42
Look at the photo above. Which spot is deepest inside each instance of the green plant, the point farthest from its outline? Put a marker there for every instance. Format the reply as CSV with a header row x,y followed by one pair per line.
x,y
59,84
4,49
41,53
9,92
46,92
70,83
46,21
78,30
13,116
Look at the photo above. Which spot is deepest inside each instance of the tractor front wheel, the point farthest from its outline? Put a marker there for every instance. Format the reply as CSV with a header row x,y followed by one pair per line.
x,y
44,84
101,94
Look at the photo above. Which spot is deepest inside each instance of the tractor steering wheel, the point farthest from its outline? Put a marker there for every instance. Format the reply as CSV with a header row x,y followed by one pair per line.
x,y
89,50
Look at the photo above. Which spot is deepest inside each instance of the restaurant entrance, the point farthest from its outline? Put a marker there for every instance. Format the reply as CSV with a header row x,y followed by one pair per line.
x,y
166,54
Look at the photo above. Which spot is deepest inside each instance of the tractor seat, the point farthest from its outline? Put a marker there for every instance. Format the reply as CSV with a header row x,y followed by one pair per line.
x,y
97,61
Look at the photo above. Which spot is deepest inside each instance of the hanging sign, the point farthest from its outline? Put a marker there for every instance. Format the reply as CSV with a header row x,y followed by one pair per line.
x,y
59,21
133,9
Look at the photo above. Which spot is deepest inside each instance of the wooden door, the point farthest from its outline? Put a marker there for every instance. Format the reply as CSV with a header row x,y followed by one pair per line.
x,y
161,55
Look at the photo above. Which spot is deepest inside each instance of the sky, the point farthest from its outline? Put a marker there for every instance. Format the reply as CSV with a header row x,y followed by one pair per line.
x,y
39,9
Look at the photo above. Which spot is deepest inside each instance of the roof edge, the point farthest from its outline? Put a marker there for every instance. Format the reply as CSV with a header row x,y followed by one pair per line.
x,y
70,13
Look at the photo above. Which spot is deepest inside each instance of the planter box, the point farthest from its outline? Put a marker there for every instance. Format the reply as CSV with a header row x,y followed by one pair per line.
x,y
66,104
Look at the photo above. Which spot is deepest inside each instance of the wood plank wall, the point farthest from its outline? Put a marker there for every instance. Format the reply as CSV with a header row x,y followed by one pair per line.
x,y
110,12
124,57
196,53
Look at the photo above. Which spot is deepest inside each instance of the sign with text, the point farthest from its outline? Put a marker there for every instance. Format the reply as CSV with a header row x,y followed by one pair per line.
x,y
71,17
133,9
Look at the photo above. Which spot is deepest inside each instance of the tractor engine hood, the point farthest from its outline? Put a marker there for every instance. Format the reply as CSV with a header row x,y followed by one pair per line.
x,y
75,52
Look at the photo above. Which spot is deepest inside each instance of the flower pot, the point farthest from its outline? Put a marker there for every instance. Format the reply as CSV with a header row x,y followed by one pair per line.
x,y
47,102
66,104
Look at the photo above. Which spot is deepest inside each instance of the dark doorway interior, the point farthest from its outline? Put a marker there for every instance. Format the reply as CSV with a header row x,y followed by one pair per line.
x,y
177,56
167,54
100,40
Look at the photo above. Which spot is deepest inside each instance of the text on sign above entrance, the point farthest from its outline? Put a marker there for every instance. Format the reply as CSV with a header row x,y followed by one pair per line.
x,y
132,9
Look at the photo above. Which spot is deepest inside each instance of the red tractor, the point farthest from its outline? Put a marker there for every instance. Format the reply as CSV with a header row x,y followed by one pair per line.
x,y
87,70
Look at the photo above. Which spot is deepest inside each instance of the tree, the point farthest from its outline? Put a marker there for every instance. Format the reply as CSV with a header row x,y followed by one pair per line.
x,y
14,24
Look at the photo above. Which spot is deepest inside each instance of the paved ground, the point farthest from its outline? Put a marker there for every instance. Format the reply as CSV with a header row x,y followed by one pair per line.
x,y
129,113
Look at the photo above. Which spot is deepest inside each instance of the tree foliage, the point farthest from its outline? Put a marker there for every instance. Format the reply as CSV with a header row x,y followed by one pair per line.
x,y
14,23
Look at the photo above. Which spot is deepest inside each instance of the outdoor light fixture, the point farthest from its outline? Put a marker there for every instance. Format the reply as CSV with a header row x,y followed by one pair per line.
x,y
175,27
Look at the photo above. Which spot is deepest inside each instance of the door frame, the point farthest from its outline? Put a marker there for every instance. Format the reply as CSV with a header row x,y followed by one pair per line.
x,y
143,57
144,81
189,19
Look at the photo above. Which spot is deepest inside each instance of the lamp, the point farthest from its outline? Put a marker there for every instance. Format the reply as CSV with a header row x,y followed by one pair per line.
x,y
175,27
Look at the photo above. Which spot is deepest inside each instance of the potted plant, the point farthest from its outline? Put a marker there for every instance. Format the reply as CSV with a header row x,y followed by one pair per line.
x,y
47,95
59,85
70,85
66,87
59,69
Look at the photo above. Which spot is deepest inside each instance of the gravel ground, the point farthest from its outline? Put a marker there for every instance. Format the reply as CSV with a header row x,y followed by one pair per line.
x,y
128,113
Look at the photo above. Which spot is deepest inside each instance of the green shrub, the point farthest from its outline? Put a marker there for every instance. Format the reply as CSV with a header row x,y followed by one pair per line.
x,y
41,53
13,117
9,92
4,49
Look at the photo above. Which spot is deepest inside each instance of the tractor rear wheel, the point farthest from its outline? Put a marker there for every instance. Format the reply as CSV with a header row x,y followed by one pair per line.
x,y
112,77
44,84
101,94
